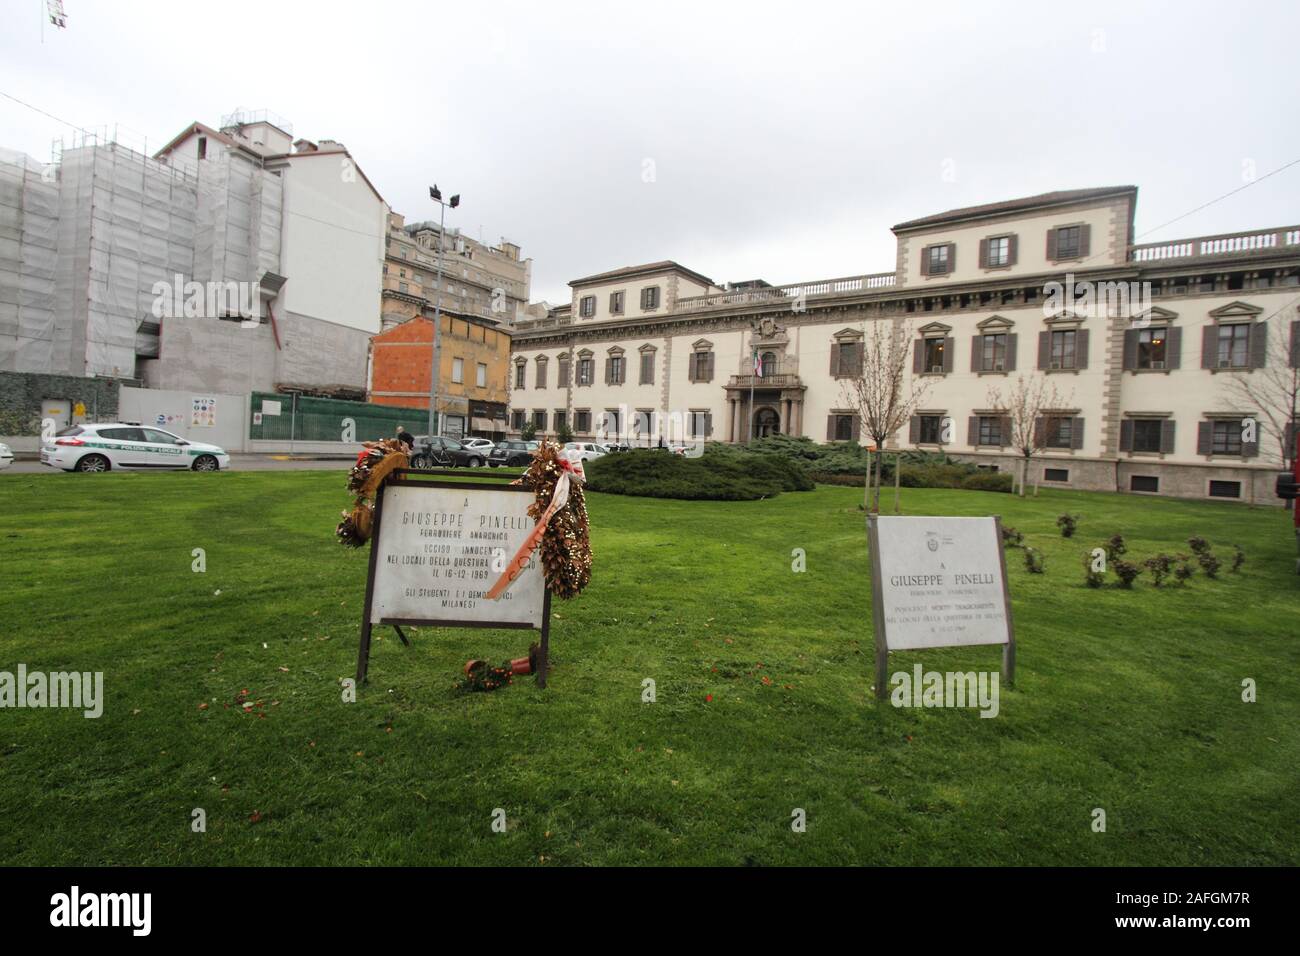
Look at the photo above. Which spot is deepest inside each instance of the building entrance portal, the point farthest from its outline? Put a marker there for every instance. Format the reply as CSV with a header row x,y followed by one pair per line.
x,y
766,422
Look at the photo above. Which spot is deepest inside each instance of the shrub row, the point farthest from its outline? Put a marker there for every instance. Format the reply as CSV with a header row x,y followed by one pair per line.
x,y
733,475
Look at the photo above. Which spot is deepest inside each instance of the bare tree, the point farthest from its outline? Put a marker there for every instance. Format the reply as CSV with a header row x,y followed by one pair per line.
x,y
1274,389
1028,406
878,388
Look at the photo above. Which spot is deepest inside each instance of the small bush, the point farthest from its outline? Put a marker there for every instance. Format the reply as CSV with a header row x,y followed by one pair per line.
x,y
1115,547
1184,571
1033,561
733,476
529,431
1238,558
1161,566
1209,563
1126,571
1094,579
1198,545
1067,523
1011,538
987,481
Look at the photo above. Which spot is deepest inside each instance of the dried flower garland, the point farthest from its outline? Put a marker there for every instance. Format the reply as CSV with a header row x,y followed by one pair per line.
x,y
378,459
566,543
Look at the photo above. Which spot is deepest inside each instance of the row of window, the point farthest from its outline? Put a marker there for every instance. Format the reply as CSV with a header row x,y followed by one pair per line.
x,y
700,369
458,373
1064,243
649,301
1230,436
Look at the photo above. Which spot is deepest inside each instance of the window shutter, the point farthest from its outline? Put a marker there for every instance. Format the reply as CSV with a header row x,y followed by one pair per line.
x,y
1258,342
1040,431
1295,344
977,353
1167,436
1051,247
708,423
835,359
1126,435
1044,349
1081,349
830,427
1209,343
1004,431
949,347
691,361
973,431
984,253
609,370
1173,347
925,260
1204,438
1076,434
859,357
914,429
857,428
708,366
1085,240
1131,349
918,355
1011,353
952,257
1012,243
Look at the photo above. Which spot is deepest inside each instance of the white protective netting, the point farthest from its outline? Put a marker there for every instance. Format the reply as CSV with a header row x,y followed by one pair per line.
x,y
29,195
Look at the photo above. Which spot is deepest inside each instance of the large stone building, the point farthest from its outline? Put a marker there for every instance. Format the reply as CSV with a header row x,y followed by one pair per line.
x,y
1142,348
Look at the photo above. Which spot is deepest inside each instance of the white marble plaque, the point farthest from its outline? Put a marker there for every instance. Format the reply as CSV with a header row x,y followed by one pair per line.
x,y
941,582
435,556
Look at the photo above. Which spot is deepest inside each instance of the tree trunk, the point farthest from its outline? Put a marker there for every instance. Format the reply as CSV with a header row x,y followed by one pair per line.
x,y
898,468
866,490
1024,474
880,458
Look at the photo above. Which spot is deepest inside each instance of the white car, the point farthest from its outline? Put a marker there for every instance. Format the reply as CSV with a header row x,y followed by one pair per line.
x,y
6,456
128,445
484,445
582,451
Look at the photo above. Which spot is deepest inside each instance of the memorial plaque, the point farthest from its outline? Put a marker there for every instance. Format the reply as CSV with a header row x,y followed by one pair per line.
x,y
436,549
938,582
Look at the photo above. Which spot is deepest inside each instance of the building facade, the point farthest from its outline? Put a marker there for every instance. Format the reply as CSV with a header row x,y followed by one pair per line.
x,y
473,372
1145,346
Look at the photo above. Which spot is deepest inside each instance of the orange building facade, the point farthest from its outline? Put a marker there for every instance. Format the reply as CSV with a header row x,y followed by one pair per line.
x,y
474,371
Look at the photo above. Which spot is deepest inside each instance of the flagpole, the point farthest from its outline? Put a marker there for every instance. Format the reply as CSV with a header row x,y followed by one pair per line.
x,y
752,375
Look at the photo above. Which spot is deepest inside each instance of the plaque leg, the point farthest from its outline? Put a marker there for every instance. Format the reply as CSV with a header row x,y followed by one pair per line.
x,y
363,654
544,653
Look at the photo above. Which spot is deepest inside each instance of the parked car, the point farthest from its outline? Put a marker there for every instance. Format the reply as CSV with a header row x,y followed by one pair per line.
x,y
6,456
433,451
582,451
484,445
512,453
127,445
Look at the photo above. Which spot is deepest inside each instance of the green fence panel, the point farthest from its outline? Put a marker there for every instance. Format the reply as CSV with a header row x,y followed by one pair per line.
x,y
329,419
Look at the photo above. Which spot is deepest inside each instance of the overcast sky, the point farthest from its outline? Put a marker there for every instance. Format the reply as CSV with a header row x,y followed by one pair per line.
x,y
743,139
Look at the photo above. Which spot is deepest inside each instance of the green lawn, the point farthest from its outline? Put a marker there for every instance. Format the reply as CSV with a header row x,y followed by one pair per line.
x,y
1128,701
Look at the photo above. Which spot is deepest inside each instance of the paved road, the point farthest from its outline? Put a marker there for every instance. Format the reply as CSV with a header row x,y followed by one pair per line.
x,y
237,463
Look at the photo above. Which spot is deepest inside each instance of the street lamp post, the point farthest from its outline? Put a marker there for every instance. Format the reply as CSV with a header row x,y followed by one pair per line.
x,y
435,420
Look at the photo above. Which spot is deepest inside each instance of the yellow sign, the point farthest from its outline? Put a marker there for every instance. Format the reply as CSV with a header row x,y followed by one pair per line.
x,y
79,410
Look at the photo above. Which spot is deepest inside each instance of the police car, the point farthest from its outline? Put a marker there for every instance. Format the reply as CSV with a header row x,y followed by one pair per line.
x,y
128,445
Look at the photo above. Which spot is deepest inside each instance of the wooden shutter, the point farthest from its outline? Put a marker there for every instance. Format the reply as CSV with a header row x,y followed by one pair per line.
x,y
1044,349
708,423
984,253
1131,349
1012,244
977,353
952,257
830,427
1085,240
609,369
859,358
691,363
1295,345
1126,435
925,260
1011,353
1004,431
1081,349
1173,347
973,431
835,359
708,366
1257,340
1204,438
918,355
1040,431
857,428
949,347
1167,436
914,429
1209,345
1051,244
1076,434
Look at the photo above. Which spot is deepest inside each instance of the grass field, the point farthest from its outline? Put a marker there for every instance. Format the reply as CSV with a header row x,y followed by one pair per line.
x,y
1127,701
